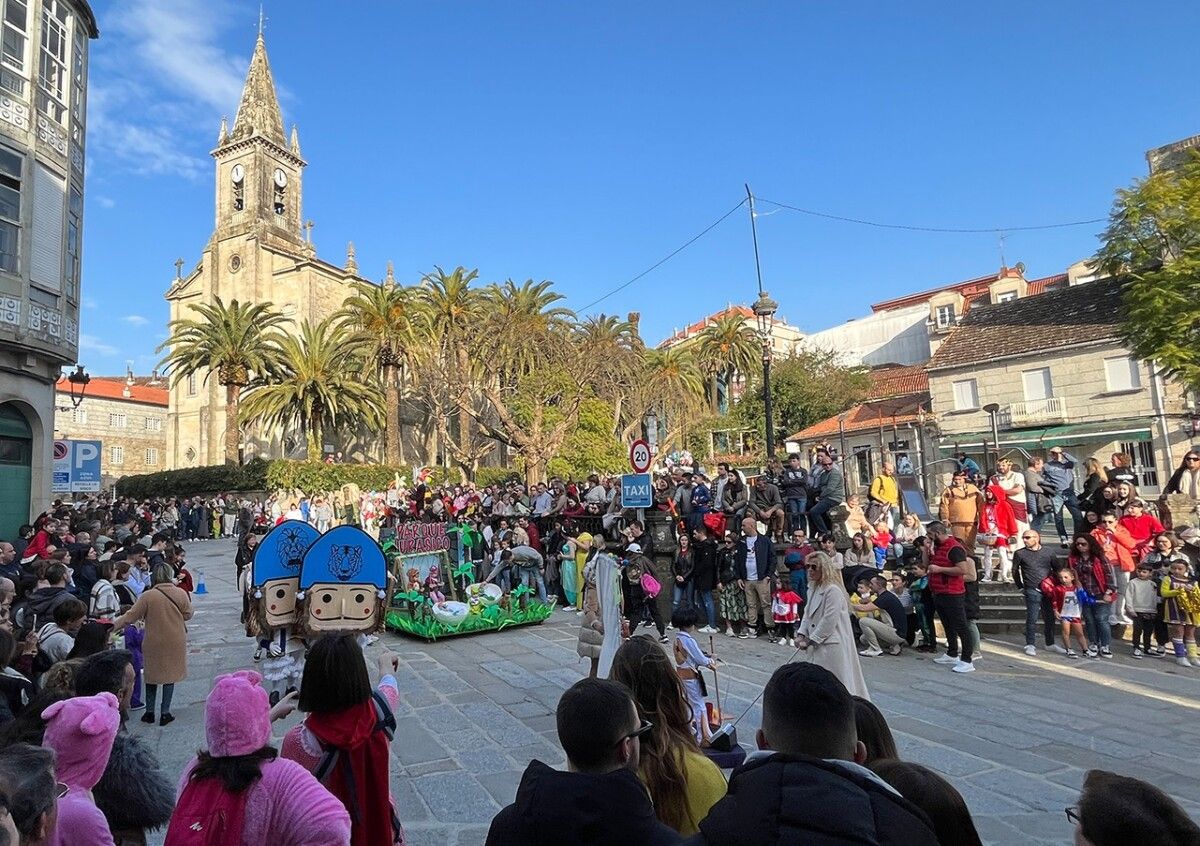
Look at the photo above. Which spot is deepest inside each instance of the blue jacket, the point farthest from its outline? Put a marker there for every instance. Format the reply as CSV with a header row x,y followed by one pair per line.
x,y
764,556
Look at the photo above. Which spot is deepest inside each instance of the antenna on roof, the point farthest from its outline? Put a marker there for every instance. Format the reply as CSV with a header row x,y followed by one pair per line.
x,y
1001,237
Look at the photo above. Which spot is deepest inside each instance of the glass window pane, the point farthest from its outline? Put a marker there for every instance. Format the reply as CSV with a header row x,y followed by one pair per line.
x,y
10,163
16,13
10,204
8,247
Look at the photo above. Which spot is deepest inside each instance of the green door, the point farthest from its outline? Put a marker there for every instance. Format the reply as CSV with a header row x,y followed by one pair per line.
x,y
16,454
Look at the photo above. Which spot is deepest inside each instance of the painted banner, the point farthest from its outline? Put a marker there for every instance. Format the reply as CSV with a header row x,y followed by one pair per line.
x,y
417,537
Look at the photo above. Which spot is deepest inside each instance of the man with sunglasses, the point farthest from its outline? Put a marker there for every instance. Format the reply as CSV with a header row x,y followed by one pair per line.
x,y
599,799
1031,564
1186,479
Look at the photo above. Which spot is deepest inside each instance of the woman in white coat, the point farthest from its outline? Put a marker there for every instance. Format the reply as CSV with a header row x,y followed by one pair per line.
x,y
826,637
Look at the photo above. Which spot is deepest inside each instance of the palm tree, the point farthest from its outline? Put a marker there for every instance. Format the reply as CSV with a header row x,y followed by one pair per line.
x,y
619,348
727,346
674,385
318,387
380,318
521,320
238,342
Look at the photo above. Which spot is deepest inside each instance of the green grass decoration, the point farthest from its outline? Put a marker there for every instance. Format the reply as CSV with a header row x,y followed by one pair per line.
x,y
491,619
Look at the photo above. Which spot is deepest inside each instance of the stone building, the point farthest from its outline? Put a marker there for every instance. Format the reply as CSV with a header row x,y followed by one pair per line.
x,y
260,250
127,415
1059,374
43,108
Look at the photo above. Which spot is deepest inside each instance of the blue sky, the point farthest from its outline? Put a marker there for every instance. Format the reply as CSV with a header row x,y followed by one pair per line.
x,y
583,142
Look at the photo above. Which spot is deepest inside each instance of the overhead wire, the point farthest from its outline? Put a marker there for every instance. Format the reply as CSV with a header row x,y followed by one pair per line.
x,y
914,228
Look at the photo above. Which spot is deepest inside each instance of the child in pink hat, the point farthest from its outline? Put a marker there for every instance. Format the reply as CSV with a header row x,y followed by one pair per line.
x,y
80,731
284,804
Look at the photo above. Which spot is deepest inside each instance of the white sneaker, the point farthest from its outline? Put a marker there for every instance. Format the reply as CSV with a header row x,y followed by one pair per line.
x,y
783,641
871,653
1031,650
895,650
946,659
568,608
731,633
792,642
669,626
963,667
1054,647
708,630
1183,662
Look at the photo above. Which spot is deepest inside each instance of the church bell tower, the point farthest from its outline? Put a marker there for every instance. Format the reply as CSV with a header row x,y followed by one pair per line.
x,y
259,171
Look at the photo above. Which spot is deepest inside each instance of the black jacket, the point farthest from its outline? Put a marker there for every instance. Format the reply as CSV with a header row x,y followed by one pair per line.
x,y
787,799
554,807
764,557
134,793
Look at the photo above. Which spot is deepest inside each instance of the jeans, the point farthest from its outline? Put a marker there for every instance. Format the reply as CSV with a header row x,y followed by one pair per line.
x,y
534,575
152,696
1095,624
704,599
795,514
952,610
682,593
1116,611
1037,603
1058,502
816,515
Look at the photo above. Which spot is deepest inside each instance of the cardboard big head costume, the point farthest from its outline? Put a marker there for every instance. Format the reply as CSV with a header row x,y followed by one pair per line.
x,y
275,581
343,583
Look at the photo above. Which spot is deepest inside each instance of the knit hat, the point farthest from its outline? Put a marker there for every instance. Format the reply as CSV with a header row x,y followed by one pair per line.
x,y
237,717
81,732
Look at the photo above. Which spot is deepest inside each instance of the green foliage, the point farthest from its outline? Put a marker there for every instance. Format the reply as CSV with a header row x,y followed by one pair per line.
x,y
1153,239
591,447
259,475
698,431
492,619
486,476
806,387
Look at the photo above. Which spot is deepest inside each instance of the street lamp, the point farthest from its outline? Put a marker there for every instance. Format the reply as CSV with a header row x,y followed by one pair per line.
x,y
78,380
992,408
764,311
651,422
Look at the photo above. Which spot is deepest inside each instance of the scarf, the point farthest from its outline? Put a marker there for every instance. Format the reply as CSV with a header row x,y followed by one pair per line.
x,y
359,777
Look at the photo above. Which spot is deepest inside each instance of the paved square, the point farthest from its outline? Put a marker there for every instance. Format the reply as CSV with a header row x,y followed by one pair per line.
x,y
1015,738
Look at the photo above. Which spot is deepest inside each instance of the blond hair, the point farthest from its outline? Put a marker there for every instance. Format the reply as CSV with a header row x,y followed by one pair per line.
x,y
823,564
1092,465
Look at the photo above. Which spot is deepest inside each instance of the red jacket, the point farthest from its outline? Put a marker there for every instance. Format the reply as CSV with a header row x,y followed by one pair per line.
x,y
1141,529
1006,523
1119,548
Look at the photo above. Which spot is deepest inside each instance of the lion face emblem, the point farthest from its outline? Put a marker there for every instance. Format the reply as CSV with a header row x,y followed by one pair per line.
x,y
345,562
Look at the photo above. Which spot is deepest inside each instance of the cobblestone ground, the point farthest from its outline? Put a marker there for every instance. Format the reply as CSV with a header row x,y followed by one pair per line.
x,y
1015,737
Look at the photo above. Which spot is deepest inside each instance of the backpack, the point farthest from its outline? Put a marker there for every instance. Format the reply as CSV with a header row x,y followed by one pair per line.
x,y
650,585
385,722
41,661
207,815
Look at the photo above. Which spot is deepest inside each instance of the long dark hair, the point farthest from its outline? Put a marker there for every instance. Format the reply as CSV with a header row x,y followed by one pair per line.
x,y
1094,549
642,666
237,772
91,638
335,675
873,731
935,796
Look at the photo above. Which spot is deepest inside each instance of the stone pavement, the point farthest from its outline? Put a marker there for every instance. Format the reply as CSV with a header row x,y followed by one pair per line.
x,y
1015,737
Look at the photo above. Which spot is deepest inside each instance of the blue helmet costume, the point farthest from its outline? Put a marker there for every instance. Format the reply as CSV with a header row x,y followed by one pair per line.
x,y
275,571
343,582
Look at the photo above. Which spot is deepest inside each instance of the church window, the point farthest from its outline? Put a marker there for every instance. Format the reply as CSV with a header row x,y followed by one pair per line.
x,y
52,69
239,187
191,384
10,209
280,180
279,199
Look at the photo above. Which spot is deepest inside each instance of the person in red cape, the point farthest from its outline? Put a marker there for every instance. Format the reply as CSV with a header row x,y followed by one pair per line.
x,y
997,530
344,740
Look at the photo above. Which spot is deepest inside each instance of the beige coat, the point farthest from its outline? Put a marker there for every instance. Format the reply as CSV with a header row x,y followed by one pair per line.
x,y
826,624
591,630
165,610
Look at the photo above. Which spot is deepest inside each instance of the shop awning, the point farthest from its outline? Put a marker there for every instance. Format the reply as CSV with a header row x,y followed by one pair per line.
x,y
1048,436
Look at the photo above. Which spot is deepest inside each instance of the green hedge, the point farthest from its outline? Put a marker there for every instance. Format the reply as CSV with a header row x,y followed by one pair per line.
x,y
262,475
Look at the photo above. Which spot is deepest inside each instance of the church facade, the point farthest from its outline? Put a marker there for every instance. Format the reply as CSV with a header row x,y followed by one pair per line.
x,y
258,252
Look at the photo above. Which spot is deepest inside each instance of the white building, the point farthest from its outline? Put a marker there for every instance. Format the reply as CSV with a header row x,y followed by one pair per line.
x,y
43,108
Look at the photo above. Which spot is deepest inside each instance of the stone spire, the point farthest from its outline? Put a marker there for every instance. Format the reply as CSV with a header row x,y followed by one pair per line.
x,y
295,141
223,135
258,113
351,259
389,279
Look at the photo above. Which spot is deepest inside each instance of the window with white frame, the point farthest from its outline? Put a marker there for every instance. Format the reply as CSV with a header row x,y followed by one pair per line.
x,y
153,424
16,36
74,230
53,79
117,421
116,455
1122,373
151,456
10,210
1006,296
191,384
1037,384
966,395
79,415
944,315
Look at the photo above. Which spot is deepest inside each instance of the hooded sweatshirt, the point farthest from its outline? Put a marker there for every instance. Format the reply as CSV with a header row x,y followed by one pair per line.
x,y
80,731
554,807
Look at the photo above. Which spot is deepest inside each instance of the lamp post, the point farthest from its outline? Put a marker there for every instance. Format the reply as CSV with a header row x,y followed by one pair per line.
x,y
78,381
764,312
992,408
651,422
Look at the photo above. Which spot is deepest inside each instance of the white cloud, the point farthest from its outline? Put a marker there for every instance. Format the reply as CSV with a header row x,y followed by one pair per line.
x,y
160,82
92,344
90,303
135,320
104,202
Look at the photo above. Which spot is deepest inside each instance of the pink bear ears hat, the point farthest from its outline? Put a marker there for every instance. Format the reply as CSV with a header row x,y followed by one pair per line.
x,y
92,715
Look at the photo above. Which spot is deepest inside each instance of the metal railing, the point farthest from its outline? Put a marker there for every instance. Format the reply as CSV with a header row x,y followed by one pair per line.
x,y
1034,413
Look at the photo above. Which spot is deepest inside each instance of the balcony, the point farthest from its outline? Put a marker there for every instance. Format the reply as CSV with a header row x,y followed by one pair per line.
x,y
1043,412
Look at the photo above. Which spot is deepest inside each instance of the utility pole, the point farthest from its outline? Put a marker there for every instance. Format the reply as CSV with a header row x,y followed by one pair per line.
x,y
764,313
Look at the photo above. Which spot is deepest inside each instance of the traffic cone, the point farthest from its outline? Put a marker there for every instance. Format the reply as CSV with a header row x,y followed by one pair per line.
x,y
200,588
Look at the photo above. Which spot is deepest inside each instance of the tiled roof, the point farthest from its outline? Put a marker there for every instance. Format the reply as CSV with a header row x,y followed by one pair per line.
x,y
1050,283
861,417
971,290
898,381
696,328
1057,319
104,388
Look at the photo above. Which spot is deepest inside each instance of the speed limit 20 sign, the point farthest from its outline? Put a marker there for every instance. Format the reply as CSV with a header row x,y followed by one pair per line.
x,y
639,456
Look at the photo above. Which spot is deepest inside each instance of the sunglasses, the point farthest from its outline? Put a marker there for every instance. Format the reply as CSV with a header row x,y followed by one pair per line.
x,y
61,790
1073,815
1191,458
645,727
